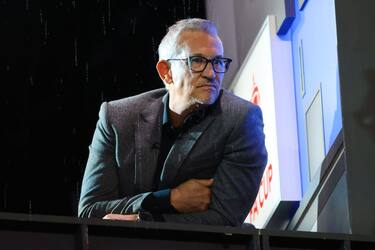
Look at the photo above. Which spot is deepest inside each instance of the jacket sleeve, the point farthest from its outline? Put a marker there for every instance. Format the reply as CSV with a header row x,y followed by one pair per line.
x,y
237,179
100,184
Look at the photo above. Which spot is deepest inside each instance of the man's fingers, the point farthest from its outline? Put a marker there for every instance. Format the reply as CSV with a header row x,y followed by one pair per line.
x,y
193,195
205,182
126,217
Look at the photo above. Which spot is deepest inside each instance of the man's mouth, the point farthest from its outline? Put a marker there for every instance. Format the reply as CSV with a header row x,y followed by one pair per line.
x,y
207,86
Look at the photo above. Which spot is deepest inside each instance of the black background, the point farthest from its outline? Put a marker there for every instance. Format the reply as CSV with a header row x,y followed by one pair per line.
x,y
59,60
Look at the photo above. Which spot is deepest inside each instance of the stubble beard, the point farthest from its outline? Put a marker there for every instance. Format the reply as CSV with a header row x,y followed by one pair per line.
x,y
203,101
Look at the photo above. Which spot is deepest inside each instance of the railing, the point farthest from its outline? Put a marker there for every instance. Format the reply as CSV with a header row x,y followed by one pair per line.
x,y
23,231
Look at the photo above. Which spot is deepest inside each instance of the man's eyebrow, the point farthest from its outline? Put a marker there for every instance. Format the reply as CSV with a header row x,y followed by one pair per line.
x,y
198,54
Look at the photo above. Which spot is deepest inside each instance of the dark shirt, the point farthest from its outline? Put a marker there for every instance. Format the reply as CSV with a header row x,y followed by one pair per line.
x,y
158,201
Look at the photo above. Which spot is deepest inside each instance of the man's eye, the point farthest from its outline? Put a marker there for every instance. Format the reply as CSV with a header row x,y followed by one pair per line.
x,y
219,62
197,60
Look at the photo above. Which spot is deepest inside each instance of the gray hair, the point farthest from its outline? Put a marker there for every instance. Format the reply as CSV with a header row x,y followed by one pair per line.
x,y
169,47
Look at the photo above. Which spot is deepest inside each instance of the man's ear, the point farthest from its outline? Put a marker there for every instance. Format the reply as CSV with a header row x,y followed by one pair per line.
x,y
164,71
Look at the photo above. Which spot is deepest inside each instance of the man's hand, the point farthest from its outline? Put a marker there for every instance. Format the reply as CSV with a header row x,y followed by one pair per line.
x,y
127,217
191,196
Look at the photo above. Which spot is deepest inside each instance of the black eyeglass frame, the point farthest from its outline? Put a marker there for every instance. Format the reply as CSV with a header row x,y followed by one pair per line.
x,y
188,63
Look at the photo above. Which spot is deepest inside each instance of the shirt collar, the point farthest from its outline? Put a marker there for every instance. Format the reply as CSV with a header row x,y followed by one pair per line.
x,y
165,108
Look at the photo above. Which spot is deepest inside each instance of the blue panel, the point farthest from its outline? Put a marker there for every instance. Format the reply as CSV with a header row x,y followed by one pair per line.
x,y
320,72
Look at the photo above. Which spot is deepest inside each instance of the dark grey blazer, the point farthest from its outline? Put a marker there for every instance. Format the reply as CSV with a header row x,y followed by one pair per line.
x,y
227,145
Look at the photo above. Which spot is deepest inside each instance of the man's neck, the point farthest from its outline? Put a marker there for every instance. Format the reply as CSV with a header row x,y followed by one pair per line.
x,y
178,109
177,118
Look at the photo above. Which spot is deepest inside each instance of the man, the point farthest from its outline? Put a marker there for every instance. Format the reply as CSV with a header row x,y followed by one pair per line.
x,y
190,153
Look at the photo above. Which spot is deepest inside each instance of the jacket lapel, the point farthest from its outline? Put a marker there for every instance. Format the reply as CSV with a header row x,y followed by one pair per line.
x,y
180,151
147,145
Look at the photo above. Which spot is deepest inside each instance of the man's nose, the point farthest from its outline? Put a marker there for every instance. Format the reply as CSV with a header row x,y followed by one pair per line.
x,y
209,71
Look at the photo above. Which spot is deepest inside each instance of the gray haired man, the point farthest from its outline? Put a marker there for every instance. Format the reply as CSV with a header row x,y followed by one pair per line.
x,y
190,152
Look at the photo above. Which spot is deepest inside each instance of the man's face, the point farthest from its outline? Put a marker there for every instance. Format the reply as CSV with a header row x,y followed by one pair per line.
x,y
196,87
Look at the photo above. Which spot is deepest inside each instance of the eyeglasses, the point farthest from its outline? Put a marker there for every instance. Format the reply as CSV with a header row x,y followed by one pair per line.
x,y
199,63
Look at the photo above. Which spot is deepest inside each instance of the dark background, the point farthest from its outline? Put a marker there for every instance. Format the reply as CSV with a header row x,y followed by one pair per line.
x,y
59,60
